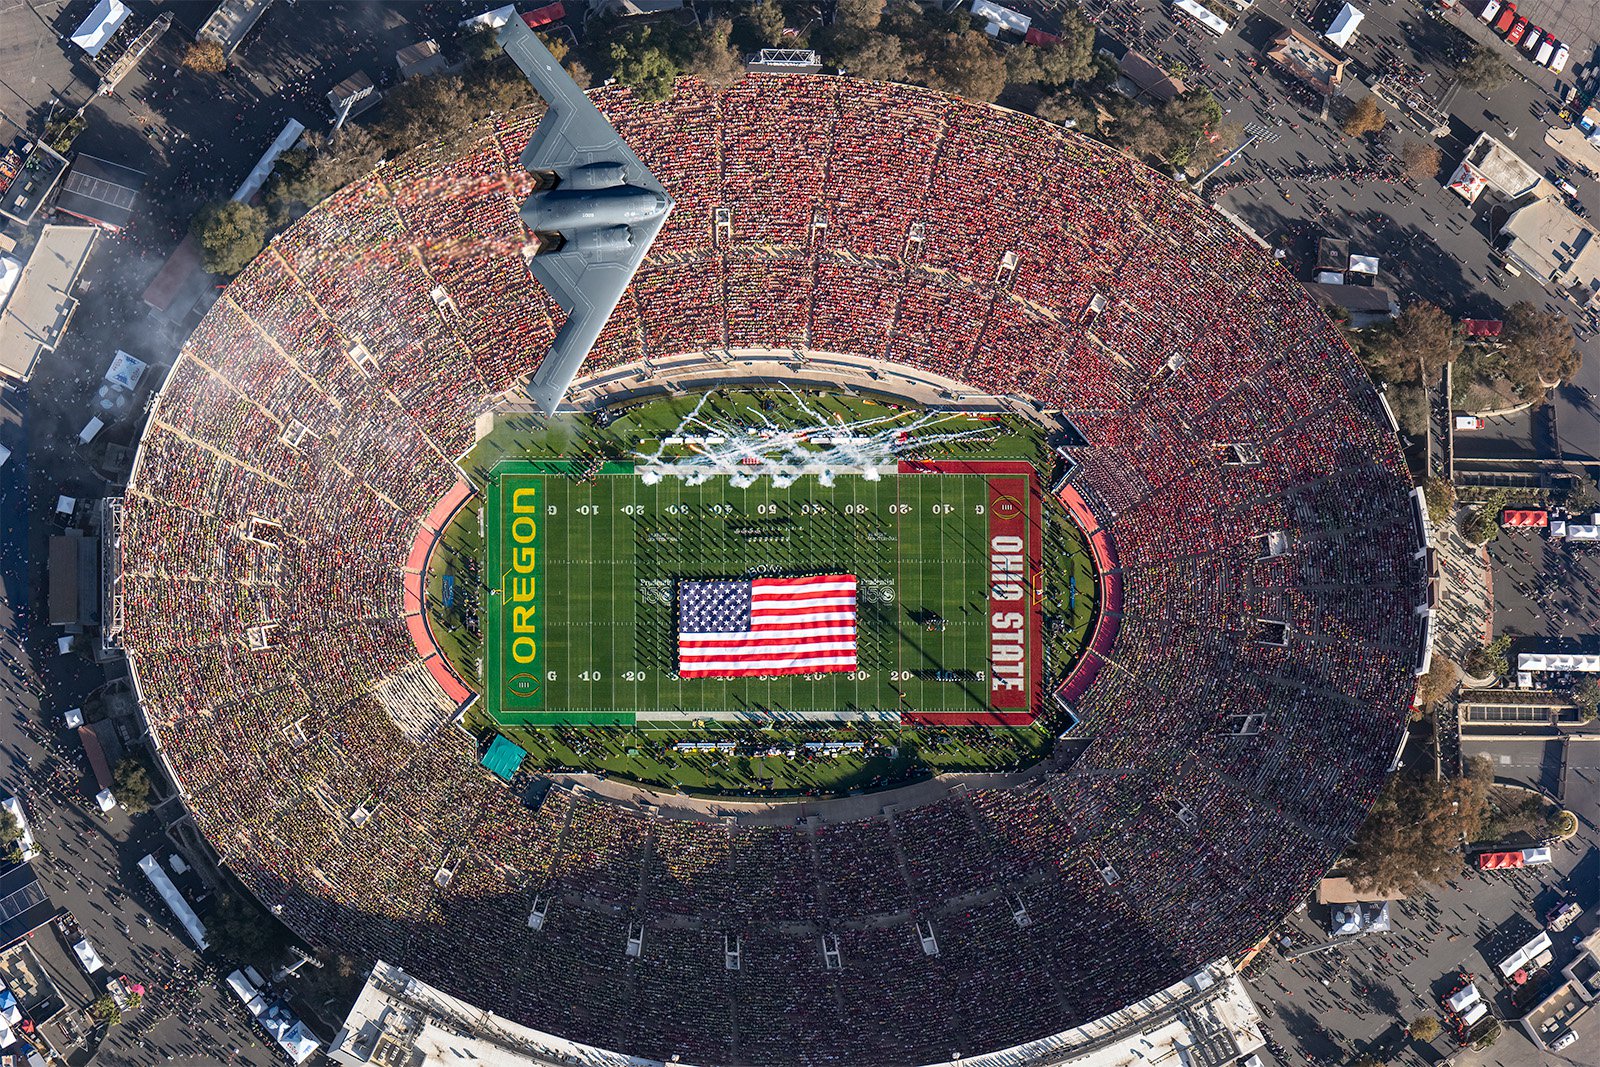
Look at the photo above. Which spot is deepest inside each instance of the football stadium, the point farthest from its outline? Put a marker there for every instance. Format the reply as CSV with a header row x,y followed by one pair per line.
x,y
974,587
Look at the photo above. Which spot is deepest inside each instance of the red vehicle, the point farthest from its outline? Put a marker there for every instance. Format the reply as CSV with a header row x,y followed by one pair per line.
x,y
1518,28
1507,17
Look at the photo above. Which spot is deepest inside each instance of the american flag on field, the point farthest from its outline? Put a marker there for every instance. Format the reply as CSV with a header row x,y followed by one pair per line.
x,y
736,628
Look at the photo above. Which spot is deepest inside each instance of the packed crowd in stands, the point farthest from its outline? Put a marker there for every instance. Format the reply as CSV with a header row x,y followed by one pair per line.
x,y
312,420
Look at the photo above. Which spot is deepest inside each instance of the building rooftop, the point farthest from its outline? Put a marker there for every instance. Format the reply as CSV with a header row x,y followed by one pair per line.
x,y
41,305
1549,241
1307,60
1505,170
100,191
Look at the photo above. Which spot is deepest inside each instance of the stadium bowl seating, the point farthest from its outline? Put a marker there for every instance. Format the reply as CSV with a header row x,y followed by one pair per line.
x,y
311,423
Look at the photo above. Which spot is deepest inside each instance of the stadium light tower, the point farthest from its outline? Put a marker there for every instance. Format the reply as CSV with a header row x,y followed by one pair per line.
x,y
594,212
1255,134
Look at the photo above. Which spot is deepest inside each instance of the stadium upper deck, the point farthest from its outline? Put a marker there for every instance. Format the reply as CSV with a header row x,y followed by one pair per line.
x,y
1255,699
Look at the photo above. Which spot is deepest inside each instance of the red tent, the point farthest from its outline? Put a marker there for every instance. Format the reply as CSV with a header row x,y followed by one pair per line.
x,y
1494,861
1037,36
1524,518
544,16
1482,327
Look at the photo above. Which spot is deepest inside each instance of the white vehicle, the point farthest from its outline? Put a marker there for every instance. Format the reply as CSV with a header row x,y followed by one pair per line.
x,y
1490,10
1566,187
1546,50
1558,62
1534,33
1563,1041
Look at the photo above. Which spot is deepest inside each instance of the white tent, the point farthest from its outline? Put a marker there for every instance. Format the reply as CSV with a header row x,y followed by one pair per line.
x,y
492,20
91,430
105,800
1344,25
1464,998
126,371
10,274
87,956
74,718
65,505
1363,264
1557,661
100,25
30,848
1001,18
174,900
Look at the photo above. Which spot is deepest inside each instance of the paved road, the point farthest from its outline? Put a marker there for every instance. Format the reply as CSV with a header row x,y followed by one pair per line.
x,y
89,862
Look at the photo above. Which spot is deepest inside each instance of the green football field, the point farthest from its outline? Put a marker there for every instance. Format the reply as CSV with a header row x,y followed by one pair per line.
x,y
581,613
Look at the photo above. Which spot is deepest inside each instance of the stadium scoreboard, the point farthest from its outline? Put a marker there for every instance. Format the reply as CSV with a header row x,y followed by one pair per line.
x,y
586,566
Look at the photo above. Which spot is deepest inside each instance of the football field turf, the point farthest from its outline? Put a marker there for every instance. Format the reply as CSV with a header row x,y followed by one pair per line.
x,y
595,637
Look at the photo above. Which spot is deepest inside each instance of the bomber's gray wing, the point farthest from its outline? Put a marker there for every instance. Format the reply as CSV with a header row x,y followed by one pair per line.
x,y
572,132
588,286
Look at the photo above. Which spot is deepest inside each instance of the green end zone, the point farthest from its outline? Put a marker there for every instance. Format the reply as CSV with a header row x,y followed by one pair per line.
x,y
580,616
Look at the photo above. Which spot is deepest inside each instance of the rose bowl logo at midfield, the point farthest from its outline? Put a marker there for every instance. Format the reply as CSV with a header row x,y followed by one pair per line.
x,y
522,685
1006,507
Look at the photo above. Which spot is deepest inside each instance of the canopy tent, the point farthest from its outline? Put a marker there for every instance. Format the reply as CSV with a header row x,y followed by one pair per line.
x,y
1531,953
1483,327
174,900
1557,661
1524,517
1363,264
1344,25
503,758
98,28
87,956
8,1008
1462,999
126,371
10,275
105,800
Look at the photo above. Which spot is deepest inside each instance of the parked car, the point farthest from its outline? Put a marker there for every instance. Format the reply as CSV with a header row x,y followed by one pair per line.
x,y
1530,40
1558,62
1490,10
1518,28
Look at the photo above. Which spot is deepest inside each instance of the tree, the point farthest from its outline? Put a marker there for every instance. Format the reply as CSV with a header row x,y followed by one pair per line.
x,y
420,109
715,61
131,785
1483,525
10,837
1437,683
1441,496
1420,341
858,14
1069,109
1586,694
1418,823
649,71
1482,69
205,57
1537,349
766,21
881,58
105,1012
231,234
1425,1027
1365,117
1419,160
1490,659
966,64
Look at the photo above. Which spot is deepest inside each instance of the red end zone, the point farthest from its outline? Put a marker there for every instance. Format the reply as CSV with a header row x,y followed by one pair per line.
x,y
1016,553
